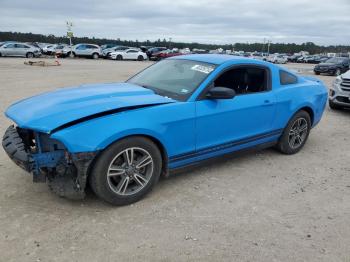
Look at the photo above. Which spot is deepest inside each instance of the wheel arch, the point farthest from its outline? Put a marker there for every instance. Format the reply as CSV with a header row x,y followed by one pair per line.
x,y
163,151
310,111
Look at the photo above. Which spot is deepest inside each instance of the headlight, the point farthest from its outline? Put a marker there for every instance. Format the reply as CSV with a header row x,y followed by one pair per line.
x,y
338,80
336,83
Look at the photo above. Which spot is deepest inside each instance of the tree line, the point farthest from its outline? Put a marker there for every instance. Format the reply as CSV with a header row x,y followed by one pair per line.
x,y
246,47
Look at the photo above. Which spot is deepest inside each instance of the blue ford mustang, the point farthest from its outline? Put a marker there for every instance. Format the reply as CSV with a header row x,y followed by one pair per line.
x,y
120,137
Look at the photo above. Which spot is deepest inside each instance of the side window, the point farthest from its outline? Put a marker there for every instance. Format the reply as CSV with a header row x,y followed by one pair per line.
x,y
10,46
244,80
132,51
21,46
81,47
287,78
92,47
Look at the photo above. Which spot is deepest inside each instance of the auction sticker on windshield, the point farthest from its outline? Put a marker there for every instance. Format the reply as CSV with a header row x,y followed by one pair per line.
x,y
202,68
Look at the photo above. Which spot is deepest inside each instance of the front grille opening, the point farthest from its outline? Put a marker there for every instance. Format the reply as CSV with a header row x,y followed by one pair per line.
x,y
343,99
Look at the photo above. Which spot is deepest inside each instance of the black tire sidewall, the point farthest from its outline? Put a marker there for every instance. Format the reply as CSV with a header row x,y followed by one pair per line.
x,y
283,143
29,55
98,176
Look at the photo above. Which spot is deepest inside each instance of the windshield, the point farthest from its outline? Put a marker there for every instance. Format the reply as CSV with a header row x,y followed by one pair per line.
x,y
177,79
335,60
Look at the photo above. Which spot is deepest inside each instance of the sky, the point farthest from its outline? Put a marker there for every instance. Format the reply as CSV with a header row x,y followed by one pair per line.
x,y
324,22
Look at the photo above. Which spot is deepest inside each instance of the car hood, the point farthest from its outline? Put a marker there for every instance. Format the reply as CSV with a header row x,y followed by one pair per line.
x,y
346,75
52,110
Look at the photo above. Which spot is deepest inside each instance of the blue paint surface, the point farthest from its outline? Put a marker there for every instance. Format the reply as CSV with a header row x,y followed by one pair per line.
x,y
189,130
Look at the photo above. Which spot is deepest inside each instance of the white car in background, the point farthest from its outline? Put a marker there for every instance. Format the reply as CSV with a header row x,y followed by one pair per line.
x,y
49,49
106,52
128,54
83,50
277,59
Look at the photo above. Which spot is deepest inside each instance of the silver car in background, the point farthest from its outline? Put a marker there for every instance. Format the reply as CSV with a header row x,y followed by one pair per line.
x,y
19,49
83,50
339,93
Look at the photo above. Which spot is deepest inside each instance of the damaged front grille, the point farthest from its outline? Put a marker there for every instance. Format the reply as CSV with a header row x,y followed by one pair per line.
x,y
49,160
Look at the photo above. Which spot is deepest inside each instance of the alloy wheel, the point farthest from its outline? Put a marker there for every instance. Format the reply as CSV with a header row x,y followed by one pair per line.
x,y
130,171
298,133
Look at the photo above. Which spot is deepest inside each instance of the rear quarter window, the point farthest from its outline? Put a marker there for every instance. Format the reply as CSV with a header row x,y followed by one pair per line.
x,y
287,78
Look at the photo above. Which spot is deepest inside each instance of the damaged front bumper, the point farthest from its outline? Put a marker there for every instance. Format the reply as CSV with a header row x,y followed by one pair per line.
x,y
48,160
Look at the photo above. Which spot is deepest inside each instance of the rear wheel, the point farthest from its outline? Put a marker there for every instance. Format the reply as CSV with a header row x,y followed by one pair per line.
x,y
29,55
119,57
126,171
295,134
95,56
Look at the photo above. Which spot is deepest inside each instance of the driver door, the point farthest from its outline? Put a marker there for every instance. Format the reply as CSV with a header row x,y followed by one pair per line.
x,y
232,124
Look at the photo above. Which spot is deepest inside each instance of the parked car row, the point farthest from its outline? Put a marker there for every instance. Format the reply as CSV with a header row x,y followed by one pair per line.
x,y
311,59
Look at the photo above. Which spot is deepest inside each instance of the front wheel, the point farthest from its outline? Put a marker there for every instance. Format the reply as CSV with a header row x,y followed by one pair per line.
x,y
337,72
295,134
140,58
126,171
119,57
30,55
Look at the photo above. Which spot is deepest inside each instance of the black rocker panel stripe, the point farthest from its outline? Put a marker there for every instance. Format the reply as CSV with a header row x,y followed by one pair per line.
x,y
223,146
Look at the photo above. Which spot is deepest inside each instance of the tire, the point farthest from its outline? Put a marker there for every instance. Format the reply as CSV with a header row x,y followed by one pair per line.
x,y
334,106
301,120
29,55
95,56
0,55
119,57
125,183
317,73
71,54
140,58
337,72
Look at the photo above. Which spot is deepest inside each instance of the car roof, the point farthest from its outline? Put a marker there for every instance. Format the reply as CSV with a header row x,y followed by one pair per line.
x,y
215,58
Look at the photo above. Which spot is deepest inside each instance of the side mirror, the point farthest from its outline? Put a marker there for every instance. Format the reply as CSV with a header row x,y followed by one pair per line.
x,y
221,93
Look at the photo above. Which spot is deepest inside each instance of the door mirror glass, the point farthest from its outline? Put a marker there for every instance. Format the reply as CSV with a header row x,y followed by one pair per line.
x,y
221,93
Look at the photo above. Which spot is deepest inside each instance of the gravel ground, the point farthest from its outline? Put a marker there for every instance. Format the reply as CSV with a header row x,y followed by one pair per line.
x,y
257,207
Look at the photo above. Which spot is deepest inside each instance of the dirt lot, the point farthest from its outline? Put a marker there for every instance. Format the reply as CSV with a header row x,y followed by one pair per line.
x,y
257,207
